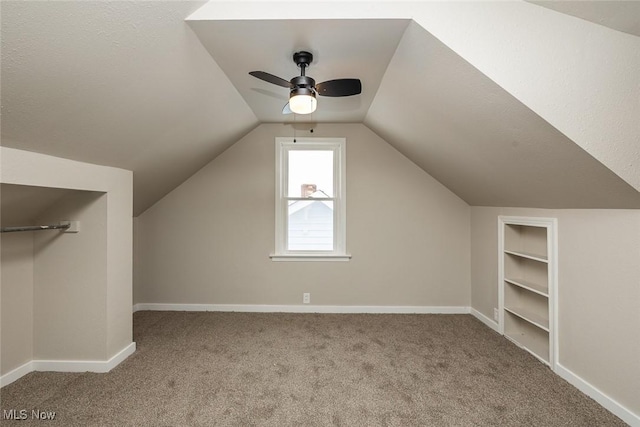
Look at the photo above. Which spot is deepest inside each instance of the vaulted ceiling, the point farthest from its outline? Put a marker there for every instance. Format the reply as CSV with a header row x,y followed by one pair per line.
x,y
506,104
123,84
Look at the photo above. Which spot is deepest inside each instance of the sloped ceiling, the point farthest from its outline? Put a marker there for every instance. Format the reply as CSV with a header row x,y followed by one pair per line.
x,y
485,145
123,84
132,85
434,106
619,15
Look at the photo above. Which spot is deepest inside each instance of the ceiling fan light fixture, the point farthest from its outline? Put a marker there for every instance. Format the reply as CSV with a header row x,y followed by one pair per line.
x,y
303,89
303,101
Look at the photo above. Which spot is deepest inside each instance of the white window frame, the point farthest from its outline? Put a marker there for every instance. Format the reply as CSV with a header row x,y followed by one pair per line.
x,y
337,145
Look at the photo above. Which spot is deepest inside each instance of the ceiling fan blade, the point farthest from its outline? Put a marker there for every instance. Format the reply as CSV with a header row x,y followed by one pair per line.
x,y
287,109
339,87
271,78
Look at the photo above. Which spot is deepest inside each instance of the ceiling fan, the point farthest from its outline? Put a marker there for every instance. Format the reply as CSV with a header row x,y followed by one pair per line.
x,y
303,89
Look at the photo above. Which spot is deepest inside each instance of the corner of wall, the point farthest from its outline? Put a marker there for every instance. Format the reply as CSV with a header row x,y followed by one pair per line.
x,y
34,169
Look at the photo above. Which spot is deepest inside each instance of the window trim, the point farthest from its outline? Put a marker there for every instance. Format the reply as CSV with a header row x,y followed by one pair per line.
x,y
338,146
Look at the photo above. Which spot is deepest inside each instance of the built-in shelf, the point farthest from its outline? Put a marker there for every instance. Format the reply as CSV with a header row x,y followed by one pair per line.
x,y
535,345
527,281
535,257
530,286
530,317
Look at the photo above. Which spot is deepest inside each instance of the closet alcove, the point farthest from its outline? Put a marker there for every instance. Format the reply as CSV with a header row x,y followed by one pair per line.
x,y
52,282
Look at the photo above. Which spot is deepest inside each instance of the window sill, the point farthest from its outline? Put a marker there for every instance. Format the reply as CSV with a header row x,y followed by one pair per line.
x,y
309,257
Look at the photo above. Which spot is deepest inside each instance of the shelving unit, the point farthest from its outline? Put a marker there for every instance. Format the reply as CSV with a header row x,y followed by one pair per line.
x,y
527,284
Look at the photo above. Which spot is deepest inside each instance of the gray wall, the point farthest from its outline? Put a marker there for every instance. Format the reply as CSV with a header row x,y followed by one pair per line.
x,y
16,298
598,291
70,280
413,243
208,242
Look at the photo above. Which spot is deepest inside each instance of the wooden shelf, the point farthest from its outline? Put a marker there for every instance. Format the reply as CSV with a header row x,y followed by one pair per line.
x,y
533,318
535,257
530,286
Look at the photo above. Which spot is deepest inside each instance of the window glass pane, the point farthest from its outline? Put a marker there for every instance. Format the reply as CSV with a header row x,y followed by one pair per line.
x,y
310,173
310,225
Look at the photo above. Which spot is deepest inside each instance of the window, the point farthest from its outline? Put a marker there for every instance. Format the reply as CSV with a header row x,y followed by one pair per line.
x,y
310,199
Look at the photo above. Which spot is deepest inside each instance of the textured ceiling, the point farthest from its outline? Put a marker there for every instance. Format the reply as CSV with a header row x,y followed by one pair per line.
x,y
133,85
619,15
123,84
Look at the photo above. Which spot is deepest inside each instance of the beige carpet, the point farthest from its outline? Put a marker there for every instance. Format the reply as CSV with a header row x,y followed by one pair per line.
x,y
245,369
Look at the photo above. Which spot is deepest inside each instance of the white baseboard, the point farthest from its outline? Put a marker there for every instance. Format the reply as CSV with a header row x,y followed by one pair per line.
x,y
608,403
68,365
16,374
484,319
265,308
84,365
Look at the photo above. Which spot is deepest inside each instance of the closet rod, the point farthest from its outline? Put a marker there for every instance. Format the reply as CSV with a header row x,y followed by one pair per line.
x,y
35,228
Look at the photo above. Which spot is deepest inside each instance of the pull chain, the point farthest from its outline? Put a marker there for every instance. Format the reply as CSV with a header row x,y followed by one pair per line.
x,y
294,128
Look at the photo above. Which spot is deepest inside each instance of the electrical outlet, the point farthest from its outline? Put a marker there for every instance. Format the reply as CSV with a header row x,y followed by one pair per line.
x,y
496,315
306,298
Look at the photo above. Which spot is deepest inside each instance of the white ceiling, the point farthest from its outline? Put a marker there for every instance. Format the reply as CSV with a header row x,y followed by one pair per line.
x,y
124,84
341,49
132,85
619,15
480,141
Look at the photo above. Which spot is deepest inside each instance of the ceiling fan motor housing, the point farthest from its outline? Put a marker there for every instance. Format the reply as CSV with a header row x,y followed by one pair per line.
x,y
302,58
302,82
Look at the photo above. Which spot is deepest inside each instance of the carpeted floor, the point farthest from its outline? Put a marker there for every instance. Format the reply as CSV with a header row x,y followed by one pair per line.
x,y
245,369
